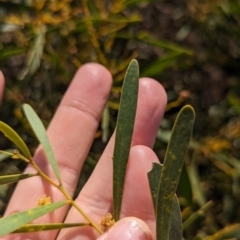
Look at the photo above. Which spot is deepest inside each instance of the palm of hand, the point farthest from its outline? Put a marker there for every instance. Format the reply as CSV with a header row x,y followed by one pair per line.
x,y
71,133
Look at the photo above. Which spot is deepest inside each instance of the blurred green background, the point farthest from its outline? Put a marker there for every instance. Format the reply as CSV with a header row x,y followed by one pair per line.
x,y
191,47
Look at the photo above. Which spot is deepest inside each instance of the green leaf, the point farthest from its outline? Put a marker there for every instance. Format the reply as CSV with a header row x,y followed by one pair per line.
x,y
124,131
229,232
163,44
105,124
16,220
154,176
185,187
175,221
10,52
8,27
196,215
48,226
5,154
34,55
40,132
234,101
7,179
15,138
159,43
162,63
198,192
172,166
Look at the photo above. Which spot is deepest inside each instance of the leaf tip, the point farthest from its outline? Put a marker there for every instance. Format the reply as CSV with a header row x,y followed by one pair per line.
x,y
188,108
134,63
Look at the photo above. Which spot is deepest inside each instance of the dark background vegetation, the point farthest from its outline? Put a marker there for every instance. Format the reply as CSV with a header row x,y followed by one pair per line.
x,y
191,47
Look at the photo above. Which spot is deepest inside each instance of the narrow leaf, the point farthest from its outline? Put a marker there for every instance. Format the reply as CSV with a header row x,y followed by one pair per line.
x,y
154,176
175,221
10,52
234,101
8,27
40,132
105,124
6,154
173,163
15,138
196,215
162,63
16,220
198,193
34,56
230,232
185,187
124,131
163,44
47,226
7,179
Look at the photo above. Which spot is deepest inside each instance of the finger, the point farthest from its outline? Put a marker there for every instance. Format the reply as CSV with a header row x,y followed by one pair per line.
x,y
2,82
71,133
128,229
137,200
96,196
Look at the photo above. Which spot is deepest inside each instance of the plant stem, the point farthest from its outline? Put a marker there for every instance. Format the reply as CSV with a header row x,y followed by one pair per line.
x,y
63,191
42,174
228,232
86,216
196,215
72,202
92,33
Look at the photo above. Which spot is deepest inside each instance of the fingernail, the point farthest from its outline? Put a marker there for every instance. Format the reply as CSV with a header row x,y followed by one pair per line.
x,y
126,229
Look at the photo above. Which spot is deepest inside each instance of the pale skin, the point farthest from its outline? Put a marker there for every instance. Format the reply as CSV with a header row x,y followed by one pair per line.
x,y
71,133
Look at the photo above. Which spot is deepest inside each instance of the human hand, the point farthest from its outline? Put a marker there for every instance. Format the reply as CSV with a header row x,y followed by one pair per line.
x,y
71,133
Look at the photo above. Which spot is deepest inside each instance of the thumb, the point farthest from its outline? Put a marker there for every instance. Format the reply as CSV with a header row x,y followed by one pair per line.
x,y
129,228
